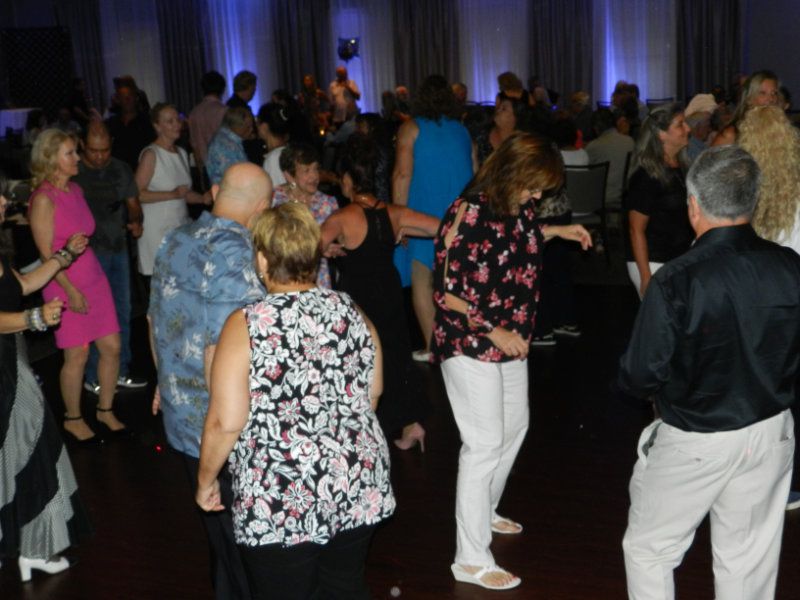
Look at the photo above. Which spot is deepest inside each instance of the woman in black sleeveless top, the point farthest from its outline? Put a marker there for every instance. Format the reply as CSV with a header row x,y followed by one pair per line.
x,y
40,511
368,229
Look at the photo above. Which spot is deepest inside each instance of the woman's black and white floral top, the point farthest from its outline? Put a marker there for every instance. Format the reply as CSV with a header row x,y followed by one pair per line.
x,y
493,264
312,459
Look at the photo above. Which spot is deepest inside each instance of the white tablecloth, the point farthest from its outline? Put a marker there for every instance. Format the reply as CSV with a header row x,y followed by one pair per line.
x,y
14,118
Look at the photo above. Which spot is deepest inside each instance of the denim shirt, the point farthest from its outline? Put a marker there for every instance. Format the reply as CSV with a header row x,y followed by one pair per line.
x,y
225,149
203,272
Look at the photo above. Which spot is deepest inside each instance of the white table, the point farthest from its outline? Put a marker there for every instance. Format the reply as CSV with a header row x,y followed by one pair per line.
x,y
15,118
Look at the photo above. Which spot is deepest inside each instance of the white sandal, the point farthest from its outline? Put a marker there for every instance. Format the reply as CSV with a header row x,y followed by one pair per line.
x,y
464,576
505,521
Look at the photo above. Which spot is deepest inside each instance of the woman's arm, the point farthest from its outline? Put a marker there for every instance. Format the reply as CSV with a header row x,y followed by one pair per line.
x,y
228,408
144,173
35,280
331,230
13,322
414,223
572,233
637,225
404,162
376,387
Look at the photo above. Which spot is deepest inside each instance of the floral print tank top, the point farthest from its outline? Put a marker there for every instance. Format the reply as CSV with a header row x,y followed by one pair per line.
x,y
312,459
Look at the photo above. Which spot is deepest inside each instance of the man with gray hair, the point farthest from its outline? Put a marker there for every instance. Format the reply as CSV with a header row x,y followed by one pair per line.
x,y
716,344
227,145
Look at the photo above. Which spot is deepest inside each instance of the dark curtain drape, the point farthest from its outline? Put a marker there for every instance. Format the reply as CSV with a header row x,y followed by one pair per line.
x,y
82,19
709,44
425,40
561,34
182,26
303,41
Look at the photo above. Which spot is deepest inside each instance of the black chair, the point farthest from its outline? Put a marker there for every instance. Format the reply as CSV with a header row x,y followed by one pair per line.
x,y
654,102
586,190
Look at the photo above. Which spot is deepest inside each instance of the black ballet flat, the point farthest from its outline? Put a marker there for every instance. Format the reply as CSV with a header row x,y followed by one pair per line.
x,y
95,440
109,433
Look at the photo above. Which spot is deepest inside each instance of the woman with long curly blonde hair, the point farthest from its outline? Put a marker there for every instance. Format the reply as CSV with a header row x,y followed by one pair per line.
x,y
766,133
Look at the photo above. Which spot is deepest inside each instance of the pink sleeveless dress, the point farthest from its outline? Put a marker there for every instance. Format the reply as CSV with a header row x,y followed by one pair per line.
x,y
72,215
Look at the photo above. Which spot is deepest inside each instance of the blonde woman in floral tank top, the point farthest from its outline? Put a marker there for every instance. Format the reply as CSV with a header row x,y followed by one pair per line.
x,y
294,384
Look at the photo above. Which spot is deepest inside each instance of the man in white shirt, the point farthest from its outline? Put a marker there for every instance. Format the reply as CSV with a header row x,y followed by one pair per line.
x,y
612,146
342,91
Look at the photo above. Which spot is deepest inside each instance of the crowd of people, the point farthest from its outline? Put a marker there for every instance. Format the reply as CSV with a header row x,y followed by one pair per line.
x,y
274,246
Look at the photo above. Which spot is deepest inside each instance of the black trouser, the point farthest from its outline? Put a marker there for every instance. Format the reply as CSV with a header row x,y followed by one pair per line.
x,y
556,290
332,571
227,570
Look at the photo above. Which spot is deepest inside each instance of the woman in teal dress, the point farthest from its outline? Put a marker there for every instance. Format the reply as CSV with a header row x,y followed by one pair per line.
x,y
435,161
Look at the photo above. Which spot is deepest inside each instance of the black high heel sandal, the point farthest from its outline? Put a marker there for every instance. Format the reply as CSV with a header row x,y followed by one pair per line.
x,y
90,441
112,433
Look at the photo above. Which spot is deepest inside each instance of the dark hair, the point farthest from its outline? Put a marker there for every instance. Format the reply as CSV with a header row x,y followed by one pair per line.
x,y
33,118
213,83
282,96
297,153
564,131
358,161
243,80
523,115
603,120
277,118
523,161
435,99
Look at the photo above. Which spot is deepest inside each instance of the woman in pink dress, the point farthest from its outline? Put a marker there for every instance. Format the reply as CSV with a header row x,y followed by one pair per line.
x,y
58,210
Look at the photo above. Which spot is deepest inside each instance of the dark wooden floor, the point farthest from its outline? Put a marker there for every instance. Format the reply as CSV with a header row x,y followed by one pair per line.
x,y
569,489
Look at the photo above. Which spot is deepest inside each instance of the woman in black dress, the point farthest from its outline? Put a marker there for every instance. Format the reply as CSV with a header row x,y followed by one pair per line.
x,y
368,229
40,512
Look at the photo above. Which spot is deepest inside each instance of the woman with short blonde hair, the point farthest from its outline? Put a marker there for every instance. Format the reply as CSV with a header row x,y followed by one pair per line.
x,y
294,384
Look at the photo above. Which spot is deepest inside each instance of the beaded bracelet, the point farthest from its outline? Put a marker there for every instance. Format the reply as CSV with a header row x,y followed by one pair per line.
x,y
66,255
34,319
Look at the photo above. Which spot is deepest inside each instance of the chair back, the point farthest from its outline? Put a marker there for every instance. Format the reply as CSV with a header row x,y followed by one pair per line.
x,y
586,188
653,102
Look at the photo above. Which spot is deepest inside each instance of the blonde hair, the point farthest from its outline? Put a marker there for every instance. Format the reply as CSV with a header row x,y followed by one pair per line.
x,y
766,133
289,238
44,154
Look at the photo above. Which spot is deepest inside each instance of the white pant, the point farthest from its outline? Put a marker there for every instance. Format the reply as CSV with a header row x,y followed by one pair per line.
x,y
636,277
490,405
742,477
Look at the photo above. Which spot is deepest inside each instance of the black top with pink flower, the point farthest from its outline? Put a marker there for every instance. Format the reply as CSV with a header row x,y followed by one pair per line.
x,y
312,459
493,264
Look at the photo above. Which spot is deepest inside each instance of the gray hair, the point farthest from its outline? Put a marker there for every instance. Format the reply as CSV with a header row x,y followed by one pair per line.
x,y
725,180
235,117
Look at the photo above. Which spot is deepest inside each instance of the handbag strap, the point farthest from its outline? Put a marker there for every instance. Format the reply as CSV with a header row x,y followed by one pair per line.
x,y
451,234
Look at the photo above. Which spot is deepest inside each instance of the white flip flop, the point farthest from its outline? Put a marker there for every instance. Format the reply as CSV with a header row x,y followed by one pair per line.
x,y
464,576
505,531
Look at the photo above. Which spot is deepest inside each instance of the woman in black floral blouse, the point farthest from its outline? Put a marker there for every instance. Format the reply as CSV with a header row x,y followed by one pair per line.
x,y
488,257
294,384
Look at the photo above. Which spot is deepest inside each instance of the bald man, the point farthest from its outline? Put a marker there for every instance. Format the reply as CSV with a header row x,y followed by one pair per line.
x,y
203,272
112,196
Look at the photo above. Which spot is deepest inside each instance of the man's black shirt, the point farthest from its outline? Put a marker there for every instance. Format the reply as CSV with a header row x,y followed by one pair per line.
x,y
717,337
